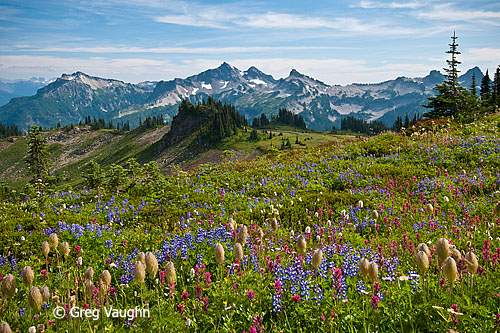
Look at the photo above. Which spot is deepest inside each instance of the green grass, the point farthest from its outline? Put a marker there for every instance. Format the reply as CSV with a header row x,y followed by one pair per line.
x,y
307,139
117,147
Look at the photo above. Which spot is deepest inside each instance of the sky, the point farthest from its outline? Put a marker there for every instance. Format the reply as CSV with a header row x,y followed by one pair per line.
x,y
337,42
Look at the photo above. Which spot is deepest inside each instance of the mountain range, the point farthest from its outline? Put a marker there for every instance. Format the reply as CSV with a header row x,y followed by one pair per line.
x,y
17,88
72,97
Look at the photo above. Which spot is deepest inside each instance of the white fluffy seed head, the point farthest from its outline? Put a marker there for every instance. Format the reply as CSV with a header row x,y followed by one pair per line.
x,y
9,285
45,293
5,328
317,258
497,208
139,272
219,254
103,287
170,272
373,272
455,253
360,204
301,244
363,267
53,240
89,273
89,289
28,276
238,251
45,249
424,248
274,224
442,249
450,269
106,278
260,233
35,299
375,214
471,262
232,223
429,209
65,249
446,199
242,235
422,262
151,264
142,258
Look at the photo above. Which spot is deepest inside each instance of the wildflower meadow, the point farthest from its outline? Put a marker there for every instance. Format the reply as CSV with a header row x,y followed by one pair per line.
x,y
397,233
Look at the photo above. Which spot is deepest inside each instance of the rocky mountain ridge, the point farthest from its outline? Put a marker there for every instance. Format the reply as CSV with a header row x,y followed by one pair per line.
x,y
72,97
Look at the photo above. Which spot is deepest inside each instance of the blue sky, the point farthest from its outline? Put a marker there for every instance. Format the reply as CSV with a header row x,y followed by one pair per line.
x,y
338,42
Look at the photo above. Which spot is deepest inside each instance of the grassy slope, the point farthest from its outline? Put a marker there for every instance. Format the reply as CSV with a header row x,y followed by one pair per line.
x,y
71,151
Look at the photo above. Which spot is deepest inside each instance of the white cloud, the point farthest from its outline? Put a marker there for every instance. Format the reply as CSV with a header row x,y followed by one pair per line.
x,y
224,17
484,54
178,50
331,71
190,20
280,20
353,25
485,58
396,5
130,69
446,12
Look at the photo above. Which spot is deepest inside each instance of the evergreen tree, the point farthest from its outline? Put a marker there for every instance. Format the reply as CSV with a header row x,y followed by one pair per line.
x,y
473,86
37,158
398,124
407,121
116,177
362,126
263,120
9,130
496,88
254,136
485,87
414,120
133,168
94,178
216,121
452,71
451,99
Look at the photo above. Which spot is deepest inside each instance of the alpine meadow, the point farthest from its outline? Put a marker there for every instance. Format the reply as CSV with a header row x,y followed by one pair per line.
x,y
234,201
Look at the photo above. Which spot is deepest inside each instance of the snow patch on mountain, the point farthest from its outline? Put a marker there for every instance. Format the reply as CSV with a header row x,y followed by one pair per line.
x,y
258,81
345,109
377,114
94,83
170,99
